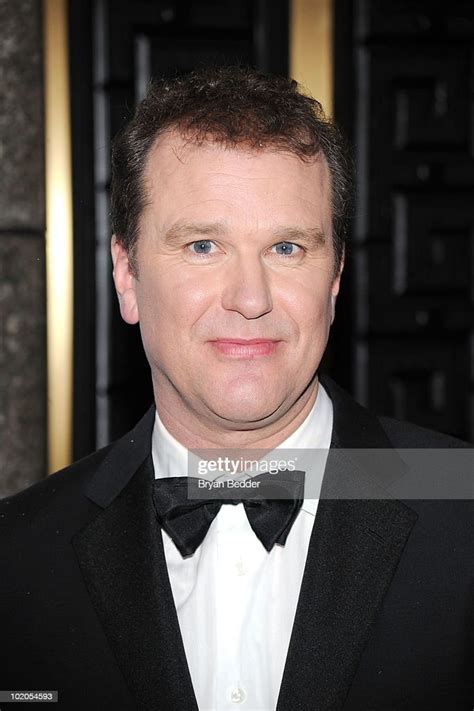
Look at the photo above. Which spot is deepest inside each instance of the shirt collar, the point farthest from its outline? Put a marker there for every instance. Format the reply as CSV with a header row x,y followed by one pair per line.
x,y
170,457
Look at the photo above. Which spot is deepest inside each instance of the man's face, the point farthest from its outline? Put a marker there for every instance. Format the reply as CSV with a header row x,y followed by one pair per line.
x,y
236,288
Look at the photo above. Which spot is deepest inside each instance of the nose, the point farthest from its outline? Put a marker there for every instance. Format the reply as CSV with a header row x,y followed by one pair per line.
x,y
246,288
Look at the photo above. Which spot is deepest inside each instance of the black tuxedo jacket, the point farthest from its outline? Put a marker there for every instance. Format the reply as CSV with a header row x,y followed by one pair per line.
x,y
384,619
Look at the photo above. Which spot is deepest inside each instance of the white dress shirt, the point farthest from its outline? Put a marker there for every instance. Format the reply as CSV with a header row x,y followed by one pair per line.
x,y
235,601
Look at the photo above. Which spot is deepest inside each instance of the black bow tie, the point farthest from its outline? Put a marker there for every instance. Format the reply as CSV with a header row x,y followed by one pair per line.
x,y
271,505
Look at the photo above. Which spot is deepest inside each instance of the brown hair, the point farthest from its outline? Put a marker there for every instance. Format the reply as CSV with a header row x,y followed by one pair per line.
x,y
234,106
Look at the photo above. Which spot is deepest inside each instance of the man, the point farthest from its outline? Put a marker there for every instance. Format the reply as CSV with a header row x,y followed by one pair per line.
x,y
229,194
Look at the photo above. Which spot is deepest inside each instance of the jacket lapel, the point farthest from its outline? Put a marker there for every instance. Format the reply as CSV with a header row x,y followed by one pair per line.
x,y
354,551
122,560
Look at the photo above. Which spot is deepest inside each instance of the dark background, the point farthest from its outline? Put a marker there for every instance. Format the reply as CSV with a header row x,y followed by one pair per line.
x,y
402,341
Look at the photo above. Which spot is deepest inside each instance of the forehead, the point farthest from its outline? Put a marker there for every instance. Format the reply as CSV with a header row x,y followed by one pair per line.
x,y
182,175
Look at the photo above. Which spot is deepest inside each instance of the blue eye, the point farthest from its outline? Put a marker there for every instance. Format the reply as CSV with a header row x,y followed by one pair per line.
x,y
203,246
286,248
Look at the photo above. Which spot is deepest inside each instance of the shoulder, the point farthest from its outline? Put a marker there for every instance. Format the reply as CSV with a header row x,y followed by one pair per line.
x,y
53,492
67,487
66,495
452,516
409,435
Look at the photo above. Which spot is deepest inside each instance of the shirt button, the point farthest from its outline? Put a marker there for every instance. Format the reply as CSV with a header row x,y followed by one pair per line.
x,y
238,695
240,567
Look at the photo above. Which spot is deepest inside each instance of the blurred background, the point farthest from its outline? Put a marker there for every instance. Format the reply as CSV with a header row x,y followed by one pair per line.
x,y
398,78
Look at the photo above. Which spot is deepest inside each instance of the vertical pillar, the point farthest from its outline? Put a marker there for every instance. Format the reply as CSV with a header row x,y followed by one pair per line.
x,y
22,249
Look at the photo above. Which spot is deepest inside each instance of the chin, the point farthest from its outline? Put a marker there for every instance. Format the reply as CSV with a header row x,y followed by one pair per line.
x,y
242,408
245,420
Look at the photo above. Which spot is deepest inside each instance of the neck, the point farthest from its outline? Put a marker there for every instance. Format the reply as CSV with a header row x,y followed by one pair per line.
x,y
194,431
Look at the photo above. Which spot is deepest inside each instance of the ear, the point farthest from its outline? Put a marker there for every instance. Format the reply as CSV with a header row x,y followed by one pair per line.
x,y
124,282
335,286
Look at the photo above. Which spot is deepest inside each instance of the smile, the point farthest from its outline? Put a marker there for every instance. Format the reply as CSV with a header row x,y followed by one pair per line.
x,y
242,348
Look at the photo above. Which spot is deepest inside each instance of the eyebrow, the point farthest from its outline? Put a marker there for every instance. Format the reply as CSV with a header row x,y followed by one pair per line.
x,y
310,237
182,230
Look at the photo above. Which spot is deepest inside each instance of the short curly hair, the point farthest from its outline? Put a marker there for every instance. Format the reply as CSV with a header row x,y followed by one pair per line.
x,y
234,106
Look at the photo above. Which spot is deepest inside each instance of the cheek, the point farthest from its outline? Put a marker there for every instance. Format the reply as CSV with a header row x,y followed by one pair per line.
x,y
171,303
311,310
318,326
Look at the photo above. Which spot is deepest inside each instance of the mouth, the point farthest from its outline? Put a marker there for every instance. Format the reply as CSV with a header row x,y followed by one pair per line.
x,y
244,348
